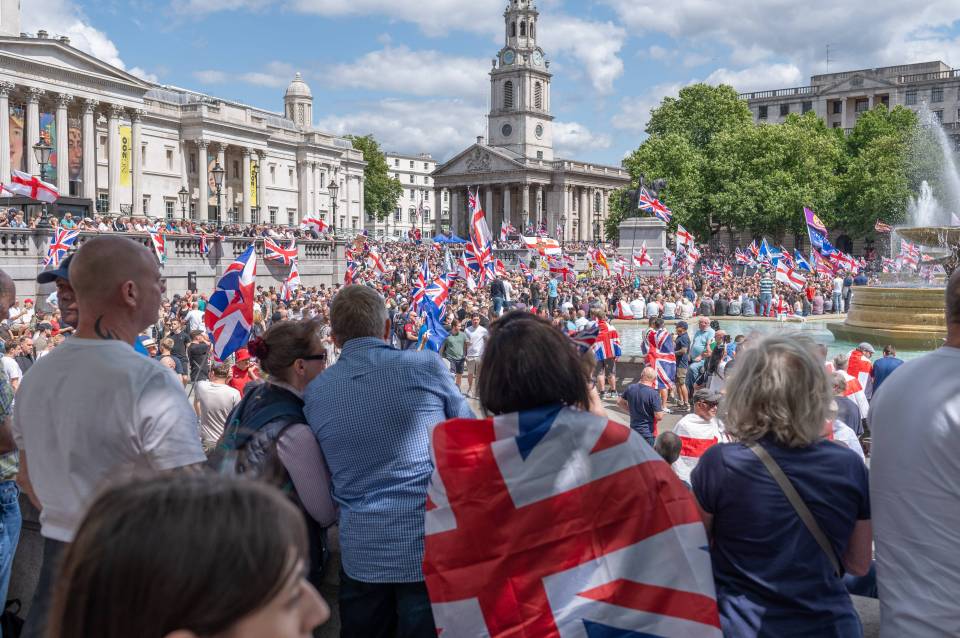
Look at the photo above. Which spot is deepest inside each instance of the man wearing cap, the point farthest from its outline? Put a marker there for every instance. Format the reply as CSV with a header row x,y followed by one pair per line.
x,y
24,316
681,348
243,372
859,365
66,297
698,432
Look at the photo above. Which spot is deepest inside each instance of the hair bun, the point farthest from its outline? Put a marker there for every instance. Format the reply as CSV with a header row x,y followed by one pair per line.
x,y
258,348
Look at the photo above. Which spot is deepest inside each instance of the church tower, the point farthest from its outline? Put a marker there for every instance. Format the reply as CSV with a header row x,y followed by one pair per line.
x,y
519,118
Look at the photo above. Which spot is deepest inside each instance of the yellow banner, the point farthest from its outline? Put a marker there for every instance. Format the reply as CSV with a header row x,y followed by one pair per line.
x,y
254,183
126,158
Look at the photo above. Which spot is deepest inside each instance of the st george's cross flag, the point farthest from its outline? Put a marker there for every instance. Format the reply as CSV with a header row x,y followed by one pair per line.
x,y
789,276
33,187
697,435
557,522
60,244
229,313
314,224
642,258
292,283
272,251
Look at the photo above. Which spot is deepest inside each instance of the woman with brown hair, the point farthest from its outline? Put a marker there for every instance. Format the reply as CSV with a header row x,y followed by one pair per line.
x,y
187,556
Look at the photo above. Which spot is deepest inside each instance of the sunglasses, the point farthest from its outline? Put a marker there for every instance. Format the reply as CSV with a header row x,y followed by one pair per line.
x,y
315,357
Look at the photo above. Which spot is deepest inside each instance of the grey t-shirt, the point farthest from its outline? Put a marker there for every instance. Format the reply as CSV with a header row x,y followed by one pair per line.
x,y
216,400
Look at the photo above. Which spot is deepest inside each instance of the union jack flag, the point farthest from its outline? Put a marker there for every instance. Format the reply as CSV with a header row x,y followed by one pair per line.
x,y
659,351
437,291
525,270
204,246
60,244
586,338
647,203
607,345
744,258
727,270
754,249
554,494
420,285
229,313
272,251
711,271
350,274
889,265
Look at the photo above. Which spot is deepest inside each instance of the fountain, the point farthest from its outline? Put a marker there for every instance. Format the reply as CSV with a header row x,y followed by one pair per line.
x,y
910,315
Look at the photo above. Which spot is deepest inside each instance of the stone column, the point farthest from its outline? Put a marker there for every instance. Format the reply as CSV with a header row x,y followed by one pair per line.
x,y
245,176
437,208
348,205
315,209
90,150
456,210
203,182
363,201
586,229
113,158
261,190
488,209
525,205
5,88
32,125
63,155
506,203
136,150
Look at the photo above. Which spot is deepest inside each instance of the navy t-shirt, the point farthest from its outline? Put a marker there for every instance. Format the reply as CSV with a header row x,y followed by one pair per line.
x,y
682,341
772,577
644,402
883,368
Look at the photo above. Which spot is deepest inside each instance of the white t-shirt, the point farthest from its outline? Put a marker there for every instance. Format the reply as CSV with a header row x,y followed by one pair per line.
x,y
844,435
216,401
638,306
915,496
12,369
195,319
670,309
838,285
653,310
478,341
93,412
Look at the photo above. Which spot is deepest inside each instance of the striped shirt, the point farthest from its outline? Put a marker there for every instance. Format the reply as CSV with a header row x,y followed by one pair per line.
x,y
373,413
766,286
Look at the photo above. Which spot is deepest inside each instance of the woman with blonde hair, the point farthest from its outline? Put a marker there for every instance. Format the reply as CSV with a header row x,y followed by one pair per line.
x,y
788,511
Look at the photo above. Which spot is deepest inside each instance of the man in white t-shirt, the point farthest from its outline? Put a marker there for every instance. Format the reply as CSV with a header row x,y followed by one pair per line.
x,y
195,317
698,432
215,400
838,294
94,410
477,337
915,488
10,366
653,308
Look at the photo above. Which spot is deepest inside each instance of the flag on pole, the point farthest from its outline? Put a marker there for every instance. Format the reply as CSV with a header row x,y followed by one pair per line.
x,y
60,244
802,264
647,203
292,283
684,237
204,246
272,251
643,259
789,276
229,313
32,187
315,224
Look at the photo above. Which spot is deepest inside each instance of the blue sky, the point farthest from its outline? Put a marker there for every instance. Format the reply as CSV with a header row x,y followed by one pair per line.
x,y
414,73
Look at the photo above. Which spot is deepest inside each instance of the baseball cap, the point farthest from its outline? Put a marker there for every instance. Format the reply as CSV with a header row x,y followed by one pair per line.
x,y
149,342
243,354
62,272
866,347
682,324
706,396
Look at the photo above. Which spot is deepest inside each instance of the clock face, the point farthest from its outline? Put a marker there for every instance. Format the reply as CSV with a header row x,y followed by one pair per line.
x,y
539,130
537,58
509,56
507,130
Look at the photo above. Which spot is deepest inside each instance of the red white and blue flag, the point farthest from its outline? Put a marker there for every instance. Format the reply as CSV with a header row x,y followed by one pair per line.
x,y
159,243
229,313
479,231
60,244
507,229
607,345
420,285
204,246
437,291
659,351
292,283
272,251
532,529
650,204
744,258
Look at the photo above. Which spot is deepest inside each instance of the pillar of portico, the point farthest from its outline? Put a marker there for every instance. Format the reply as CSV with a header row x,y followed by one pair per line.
x,y
113,158
585,228
33,129
363,202
5,89
437,209
315,209
63,155
456,210
488,209
506,203
89,150
203,181
302,188
525,205
349,200
245,210
136,150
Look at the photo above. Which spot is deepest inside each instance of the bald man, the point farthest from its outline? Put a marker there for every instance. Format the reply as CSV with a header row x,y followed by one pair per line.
x,y
10,518
117,414
643,402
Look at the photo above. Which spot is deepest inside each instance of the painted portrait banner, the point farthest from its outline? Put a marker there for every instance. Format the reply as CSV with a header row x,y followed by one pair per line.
x,y
126,159
48,135
254,183
17,140
75,150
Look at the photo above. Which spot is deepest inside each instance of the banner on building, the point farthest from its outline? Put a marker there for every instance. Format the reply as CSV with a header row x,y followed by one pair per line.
x,y
254,184
126,157
48,135
75,150
17,141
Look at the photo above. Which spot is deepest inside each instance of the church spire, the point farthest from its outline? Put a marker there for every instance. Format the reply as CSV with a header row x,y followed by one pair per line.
x,y
520,20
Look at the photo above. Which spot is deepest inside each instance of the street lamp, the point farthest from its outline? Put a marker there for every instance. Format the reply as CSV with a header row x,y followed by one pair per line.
x,y
43,151
563,230
596,223
333,188
184,196
218,174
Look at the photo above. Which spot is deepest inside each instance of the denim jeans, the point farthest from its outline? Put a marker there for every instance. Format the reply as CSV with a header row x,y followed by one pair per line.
x,y
765,303
385,610
9,532
837,307
498,304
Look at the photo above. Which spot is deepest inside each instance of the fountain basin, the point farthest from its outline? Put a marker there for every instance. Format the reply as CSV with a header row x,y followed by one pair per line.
x,y
908,318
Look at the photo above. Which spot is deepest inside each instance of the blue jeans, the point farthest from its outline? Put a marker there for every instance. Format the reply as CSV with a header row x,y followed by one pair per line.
x,y
863,585
10,521
765,299
837,306
498,304
385,610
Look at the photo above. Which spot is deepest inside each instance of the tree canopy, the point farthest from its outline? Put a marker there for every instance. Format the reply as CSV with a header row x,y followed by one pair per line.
x,y
380,191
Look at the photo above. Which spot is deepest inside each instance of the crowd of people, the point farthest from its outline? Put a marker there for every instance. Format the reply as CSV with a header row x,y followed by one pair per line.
x,y
222,488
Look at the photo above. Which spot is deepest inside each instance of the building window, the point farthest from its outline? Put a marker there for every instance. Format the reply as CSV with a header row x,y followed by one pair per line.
x,y
103,202
193,210
784,110
838,108
836,125
806,107
273,215
936,94
508,94
939,115
513,29
168,208
236,169
412,195
911,97
413,179
426,166
523,29
538,95
146,204
290,176
411,164
446,196
885,100
539,154
143,156
255,215
323,180
193,164
102,148
398,214
273,175
762,113
169,159
291,216
862,105
396,162
956,143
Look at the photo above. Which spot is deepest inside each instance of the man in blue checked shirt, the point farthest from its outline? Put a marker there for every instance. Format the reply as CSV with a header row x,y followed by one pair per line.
x,y
10,518
373,413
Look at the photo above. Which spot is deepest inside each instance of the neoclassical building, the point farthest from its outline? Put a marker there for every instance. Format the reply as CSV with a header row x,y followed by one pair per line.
x,y
518,176
125,146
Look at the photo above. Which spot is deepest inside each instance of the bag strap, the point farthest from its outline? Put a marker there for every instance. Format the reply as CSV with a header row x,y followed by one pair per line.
x,y
797,502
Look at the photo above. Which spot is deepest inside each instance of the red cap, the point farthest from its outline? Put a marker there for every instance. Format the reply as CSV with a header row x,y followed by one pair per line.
x,y
28,301
243,354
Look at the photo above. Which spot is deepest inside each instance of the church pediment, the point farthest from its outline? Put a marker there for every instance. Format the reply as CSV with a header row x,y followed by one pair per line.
x,y
478,159
856,83
27,54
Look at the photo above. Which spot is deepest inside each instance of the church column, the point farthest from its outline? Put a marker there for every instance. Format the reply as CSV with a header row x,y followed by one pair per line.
x,y
136,152
261,190
245,210
203,182
302,189
525,205
488,209
113,158
33,129
455,210
506,203
89,150
63,165
5,88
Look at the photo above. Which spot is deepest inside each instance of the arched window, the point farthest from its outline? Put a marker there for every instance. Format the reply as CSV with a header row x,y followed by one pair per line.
x,y
533,29
523,29
508,94
513,29
538,95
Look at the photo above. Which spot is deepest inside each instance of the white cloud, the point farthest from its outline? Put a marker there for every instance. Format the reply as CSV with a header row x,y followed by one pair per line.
x,y
759,77
571,138
657,52
63,17
399,69
595,45
275,75
635,111
144,75
211,76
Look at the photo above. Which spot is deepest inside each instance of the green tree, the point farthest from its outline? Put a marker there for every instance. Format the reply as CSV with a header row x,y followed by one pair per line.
x,y
380,191
698,113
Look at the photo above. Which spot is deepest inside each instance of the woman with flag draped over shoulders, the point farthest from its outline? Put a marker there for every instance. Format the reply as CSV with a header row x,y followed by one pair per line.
x,y
548,518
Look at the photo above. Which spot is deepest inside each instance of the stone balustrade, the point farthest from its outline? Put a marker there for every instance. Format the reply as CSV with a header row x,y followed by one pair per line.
x,y
23,251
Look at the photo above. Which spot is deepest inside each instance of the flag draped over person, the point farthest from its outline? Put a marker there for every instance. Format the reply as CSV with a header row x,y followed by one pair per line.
x,y
60,244
658,349
229,313
557,522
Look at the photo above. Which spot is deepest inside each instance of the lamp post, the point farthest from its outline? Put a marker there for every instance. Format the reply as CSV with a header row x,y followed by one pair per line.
x,y
43,150
184,195
596,223
218,174
333,188
563,230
